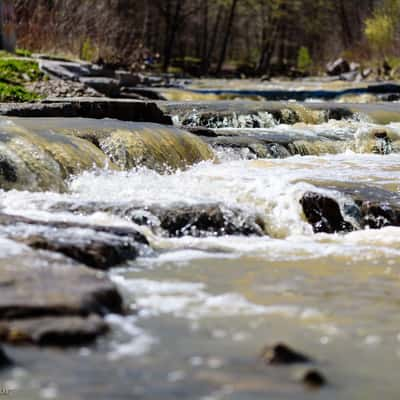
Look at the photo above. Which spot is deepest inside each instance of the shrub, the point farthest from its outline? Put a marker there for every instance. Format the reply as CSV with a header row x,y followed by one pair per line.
x,y
304,60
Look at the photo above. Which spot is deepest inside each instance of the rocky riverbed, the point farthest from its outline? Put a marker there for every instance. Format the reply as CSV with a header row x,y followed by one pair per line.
x,y
202,250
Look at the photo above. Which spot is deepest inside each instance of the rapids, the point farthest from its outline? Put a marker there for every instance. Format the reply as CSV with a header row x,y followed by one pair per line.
x,y
208,305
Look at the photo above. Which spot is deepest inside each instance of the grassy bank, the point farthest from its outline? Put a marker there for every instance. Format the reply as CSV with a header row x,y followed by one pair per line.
x,y
14,74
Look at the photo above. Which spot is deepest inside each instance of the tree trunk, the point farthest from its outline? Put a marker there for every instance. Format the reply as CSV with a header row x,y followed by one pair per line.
x,y
227,36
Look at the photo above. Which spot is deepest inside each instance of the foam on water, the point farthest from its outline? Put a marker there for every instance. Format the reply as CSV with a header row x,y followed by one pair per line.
x,y
192,301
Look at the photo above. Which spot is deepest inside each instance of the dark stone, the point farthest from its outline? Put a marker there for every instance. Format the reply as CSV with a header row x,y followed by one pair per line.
x,y
312,378
373,207
53,331
95,253
390,97
324,214
338,67
379,215
5,361
203,220
180,220
281,354
8,171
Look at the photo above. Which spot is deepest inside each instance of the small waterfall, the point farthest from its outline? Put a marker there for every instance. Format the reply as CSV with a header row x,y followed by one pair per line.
x,y
39,154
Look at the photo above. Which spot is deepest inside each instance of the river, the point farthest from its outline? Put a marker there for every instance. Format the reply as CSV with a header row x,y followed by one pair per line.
x,y
208,305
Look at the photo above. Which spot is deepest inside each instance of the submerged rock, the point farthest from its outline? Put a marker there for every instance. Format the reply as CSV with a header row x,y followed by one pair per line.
x,y
324,214
312,378
5,361
281,354
53,331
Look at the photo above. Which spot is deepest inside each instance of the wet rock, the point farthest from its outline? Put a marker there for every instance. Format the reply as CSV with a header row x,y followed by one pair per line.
x,y
5,361
95,253
371,207
12,220
324,214
98,247
338,67
312,378
379,215
209,220
53,331
180,220
42,285
153,146
281,354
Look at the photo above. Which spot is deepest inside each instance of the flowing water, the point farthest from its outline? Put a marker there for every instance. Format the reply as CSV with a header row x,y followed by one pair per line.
x,y
207,306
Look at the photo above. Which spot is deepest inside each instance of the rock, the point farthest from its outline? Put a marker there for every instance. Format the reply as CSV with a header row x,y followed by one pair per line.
x,y
98,247
390,97
127,79
180,220
153,146
209,220
53,331
379,215
351,76
281,354
64,69
5,361
98,108
106,86
324,214
338,67
147,93
60,88
312,378
96,253
45,285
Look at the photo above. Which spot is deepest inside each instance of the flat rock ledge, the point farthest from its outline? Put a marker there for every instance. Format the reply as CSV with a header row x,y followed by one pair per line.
x,y
89,107
48,299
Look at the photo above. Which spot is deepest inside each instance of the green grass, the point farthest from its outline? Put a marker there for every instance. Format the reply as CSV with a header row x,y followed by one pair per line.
x,y
23,53
17,72
15,93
